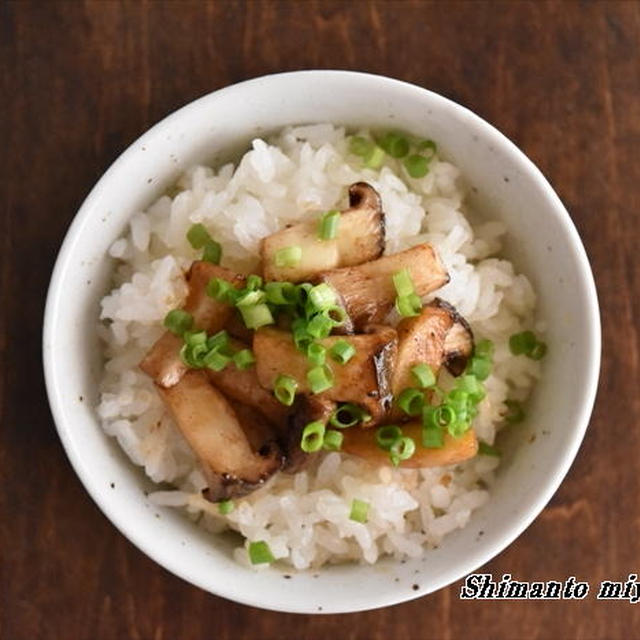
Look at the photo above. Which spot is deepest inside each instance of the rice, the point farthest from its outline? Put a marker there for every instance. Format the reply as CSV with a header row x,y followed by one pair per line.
x,y
304,518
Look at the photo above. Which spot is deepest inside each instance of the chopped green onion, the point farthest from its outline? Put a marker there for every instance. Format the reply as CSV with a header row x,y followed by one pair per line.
x,y
225,507
281,293
259,553
322,296
387,435
302,293
178,321
396,145
320,378
444,415
432,437
284,389
428,148
191,355
215,360
359,510
406,306
316,353
538,352
342,351
403,283
332,440
254,282
374,158
212,252
417,166
484,349
256,316
411,401
424,375
198,236
250,298
244,358
312,437
221,290
469,384
219,340
348,415
288,256
516,412
360,146
319,326
301,336
458,399
487,450
480,367
522,343
335,314
402,449
194,338
328,227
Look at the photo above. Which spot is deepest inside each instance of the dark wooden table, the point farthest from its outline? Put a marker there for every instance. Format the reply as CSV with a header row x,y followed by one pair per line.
x,y
81,80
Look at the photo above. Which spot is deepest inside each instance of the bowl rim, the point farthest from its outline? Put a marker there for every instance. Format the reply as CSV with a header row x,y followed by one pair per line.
x,y
473,560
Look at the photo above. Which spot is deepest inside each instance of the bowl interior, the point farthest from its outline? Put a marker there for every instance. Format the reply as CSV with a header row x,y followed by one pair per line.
x,y
542,242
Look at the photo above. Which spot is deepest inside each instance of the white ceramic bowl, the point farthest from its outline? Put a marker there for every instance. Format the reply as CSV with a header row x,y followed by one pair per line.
x,y
543,243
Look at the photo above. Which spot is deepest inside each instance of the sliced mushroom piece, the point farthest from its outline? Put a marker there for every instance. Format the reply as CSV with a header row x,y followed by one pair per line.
x,y
368,291
362,443
213,430
242,385
306,409
163,362
360,238
459,343
363,380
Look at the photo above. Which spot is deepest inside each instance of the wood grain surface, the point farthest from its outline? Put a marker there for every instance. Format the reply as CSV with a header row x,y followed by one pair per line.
x,y
81,80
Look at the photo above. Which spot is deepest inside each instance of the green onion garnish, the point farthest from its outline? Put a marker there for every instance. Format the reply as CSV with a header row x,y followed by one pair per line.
x,y
387,435
250,298
470,385
403,283
319,326
302,293
256,316
281,293
484,349
332,440
288,256
444,415
487,450
428,146
402,449
359,510
253,282
342,351
411,401
284,389
316,353
360,146
244,358
219,340
194,338
335,314
225,507
301,336
480,367
522,343
320,378
374,158
328,226
417,166
178,321
348,415
432,437
221,290
259,553
423,375
322,296
516,412
215,360
212,252
198,236
312,437
396,145
538,352
408,306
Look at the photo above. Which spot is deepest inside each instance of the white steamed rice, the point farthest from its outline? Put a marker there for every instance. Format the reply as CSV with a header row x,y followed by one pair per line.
x,y
304,518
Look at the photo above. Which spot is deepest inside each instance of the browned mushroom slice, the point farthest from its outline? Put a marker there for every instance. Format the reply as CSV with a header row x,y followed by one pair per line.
x,y
362,443
214,432
364,380
368,291
163,362
305,410
243,386
458,345
360,238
